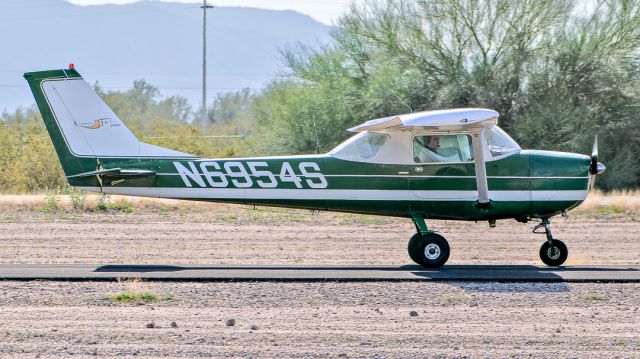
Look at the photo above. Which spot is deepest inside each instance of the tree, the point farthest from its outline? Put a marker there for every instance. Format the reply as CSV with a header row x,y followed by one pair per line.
x,y
231,106
28,162
557,74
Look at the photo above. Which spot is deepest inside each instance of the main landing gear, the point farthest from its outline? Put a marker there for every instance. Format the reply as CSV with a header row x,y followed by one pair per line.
x,y
431,250
553,252
426,247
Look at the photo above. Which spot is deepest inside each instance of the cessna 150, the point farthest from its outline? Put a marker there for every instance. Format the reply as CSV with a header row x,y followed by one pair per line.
x,y
450,164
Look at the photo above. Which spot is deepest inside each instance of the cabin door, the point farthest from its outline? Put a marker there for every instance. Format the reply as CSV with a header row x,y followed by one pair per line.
x,y
443,168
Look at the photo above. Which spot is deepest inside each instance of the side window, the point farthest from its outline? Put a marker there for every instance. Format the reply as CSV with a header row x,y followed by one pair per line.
x,y
442,148
362,146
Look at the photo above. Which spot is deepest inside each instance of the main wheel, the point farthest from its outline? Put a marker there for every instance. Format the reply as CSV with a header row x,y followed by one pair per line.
x,y
429,250
412,243
554,256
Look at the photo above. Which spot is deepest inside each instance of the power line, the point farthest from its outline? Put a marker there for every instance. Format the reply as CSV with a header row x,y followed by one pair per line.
x,y
164,74
158,87
16,19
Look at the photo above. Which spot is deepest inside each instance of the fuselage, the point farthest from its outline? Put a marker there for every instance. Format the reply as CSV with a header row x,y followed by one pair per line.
x,y
445,164
526,184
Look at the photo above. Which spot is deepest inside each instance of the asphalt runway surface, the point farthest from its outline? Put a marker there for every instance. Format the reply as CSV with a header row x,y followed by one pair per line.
x,y
222,273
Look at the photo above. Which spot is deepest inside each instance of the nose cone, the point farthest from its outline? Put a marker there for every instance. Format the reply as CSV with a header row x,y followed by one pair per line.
x,y
600,168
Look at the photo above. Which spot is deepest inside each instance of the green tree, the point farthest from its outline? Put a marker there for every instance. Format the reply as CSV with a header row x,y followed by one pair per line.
x,y
28,162
165,121
231,106
557,73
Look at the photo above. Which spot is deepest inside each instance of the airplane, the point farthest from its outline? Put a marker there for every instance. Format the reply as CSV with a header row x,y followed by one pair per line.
x,y
452,164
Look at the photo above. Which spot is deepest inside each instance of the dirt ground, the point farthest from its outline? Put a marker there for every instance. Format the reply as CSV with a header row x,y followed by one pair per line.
x,y
454,319
228,234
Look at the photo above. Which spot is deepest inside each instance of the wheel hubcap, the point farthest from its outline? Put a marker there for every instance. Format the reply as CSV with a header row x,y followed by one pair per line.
x,y
432,251
553,253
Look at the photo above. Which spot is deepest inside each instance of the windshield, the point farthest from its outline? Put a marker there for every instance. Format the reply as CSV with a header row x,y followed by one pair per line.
x,y
500,143
364,145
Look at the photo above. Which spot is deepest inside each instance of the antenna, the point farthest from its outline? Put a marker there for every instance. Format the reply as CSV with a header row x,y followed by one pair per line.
x,y
315,130
242,136
404,103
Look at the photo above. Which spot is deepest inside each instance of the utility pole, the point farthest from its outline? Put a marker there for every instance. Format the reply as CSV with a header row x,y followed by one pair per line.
x,y
204,8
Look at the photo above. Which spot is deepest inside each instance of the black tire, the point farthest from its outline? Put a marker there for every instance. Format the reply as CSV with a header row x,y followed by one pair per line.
x,y
556,257
437,250
415,239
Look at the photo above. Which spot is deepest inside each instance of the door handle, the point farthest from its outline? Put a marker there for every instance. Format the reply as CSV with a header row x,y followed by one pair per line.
x,y
418,169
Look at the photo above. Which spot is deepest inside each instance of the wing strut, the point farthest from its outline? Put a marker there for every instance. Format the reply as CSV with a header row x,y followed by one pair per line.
x,y
479,138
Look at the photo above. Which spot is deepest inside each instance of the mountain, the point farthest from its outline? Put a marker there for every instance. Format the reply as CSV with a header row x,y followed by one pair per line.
x,y
156,41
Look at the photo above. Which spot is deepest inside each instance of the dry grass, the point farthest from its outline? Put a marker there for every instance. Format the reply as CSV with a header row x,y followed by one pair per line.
x,y
136,291
593,296
597,202
90,202
615,201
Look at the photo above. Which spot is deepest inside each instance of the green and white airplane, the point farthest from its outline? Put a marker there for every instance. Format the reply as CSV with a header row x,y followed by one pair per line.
x,y
450,164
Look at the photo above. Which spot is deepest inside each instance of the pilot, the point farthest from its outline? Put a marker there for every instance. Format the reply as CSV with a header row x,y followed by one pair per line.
x,y
428,153
432,143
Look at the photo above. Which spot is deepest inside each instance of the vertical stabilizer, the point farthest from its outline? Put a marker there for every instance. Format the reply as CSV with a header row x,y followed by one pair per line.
x,y
81,125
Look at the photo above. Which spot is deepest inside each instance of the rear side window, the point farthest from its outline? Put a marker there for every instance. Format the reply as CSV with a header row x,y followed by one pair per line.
x,y
442,148
364,145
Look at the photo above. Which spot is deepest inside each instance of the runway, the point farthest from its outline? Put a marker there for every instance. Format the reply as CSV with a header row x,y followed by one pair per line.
x,y
221,273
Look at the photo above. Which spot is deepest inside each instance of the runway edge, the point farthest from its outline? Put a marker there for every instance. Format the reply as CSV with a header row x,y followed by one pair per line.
x,y
231,273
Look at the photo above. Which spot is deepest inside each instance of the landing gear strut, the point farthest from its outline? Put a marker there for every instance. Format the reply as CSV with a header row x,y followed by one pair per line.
x,y
553,252
426,247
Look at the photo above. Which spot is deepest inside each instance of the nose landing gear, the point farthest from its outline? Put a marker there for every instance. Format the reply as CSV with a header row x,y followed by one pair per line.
x,y
553,252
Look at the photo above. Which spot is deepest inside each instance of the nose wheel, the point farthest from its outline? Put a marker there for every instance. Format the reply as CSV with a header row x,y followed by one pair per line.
x,y
553,252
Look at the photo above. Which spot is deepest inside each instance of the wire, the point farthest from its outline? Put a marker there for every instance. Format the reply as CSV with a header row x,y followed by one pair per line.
x,y
167,74
158,87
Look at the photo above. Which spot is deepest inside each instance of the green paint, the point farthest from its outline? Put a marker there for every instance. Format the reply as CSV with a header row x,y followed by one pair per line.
x,y
524,171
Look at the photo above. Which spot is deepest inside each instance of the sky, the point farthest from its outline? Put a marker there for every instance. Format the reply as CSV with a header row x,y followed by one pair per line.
x,y
325,11
104,55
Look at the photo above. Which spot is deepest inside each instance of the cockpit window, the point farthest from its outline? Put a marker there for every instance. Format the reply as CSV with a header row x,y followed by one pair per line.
x,y
500,143
365,145
442,148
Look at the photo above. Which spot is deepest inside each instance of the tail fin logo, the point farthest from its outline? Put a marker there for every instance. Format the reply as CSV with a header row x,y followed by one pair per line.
x,y
99,123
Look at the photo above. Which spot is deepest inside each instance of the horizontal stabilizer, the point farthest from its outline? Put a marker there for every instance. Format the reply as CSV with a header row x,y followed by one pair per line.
x,y
116,172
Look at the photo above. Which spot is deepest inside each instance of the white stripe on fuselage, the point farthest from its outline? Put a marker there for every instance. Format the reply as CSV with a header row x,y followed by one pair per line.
x,y
425,176
339,194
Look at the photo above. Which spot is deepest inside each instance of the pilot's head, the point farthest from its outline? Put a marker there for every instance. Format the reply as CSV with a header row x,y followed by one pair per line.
x,y
432,142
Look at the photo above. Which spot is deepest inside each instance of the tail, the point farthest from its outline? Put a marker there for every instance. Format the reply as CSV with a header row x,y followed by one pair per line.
x,y
83,129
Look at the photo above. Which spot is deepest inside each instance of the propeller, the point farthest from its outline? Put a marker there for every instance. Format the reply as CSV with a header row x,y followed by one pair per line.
x,y
595,168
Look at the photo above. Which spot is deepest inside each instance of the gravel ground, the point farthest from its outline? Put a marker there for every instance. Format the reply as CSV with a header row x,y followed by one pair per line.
x,y
305,320
238,235
63,319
